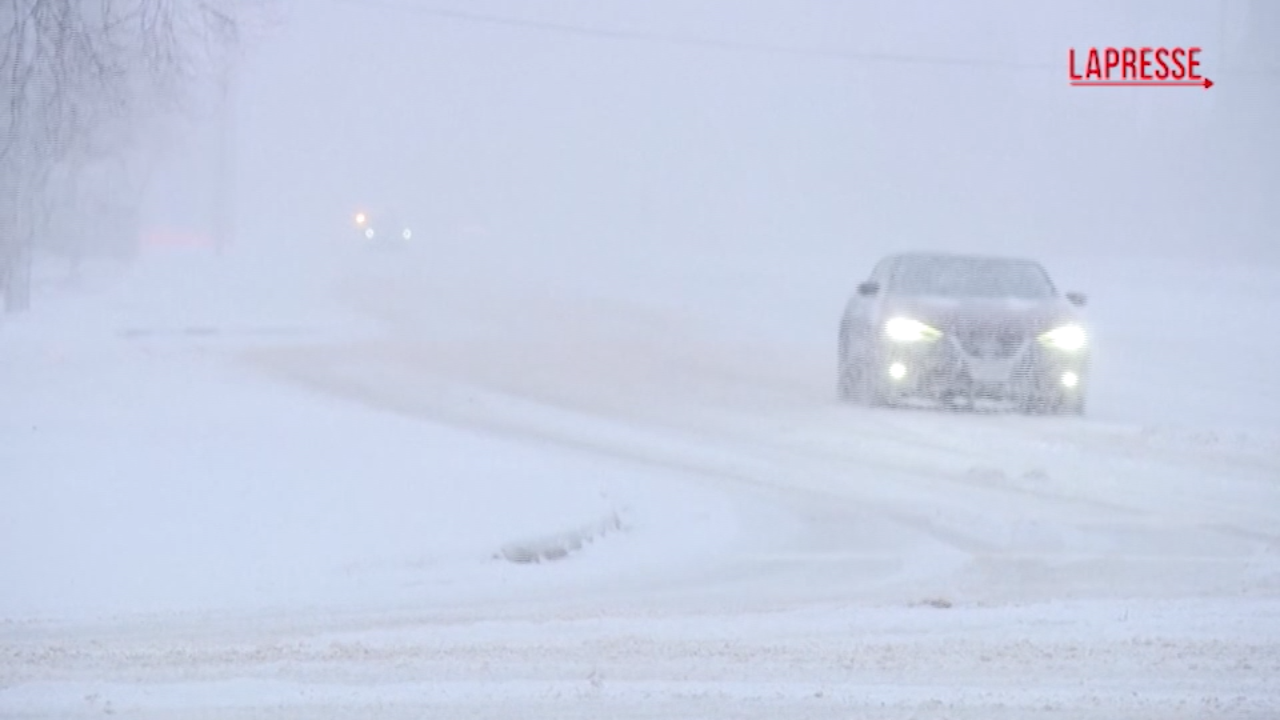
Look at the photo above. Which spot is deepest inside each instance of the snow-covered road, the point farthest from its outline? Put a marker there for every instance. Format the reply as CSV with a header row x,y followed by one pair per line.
x,y
338,540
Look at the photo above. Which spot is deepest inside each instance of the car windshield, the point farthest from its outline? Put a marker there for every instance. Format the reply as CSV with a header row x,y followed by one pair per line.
x,y
972,277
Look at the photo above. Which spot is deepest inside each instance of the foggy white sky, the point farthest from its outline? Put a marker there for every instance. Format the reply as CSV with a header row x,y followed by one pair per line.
x,y
559,138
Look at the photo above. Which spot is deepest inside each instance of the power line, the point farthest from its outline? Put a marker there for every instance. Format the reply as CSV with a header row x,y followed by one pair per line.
x,y
741,46
692,41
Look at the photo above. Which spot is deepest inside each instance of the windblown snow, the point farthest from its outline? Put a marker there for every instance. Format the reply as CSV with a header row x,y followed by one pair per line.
x,y
377,486
573,448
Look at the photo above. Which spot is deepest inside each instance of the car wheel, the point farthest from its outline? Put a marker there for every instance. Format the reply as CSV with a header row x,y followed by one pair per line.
x,y
855,380
848,380
844,385
846,376
844,389
854,385
867,389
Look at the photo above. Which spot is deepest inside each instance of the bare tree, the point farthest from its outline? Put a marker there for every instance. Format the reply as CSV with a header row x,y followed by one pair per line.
x,y
78,78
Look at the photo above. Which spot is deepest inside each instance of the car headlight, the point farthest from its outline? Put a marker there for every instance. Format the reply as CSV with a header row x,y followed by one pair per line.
x,y
1070,338
901,329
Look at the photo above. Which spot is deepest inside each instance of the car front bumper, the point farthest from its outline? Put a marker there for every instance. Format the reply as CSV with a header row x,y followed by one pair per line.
x,y
944,370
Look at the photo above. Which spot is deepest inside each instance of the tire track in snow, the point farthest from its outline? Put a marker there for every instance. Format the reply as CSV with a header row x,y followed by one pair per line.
x,y
651,388
915,498
455,405
642,350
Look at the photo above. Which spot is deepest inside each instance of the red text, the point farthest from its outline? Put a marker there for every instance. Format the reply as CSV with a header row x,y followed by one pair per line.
x,y
1137,64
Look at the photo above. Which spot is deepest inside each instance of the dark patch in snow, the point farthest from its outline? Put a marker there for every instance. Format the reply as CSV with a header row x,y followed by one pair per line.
x,y
558,547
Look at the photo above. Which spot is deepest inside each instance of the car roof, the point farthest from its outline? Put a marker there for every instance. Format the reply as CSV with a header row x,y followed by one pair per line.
x,y
921,255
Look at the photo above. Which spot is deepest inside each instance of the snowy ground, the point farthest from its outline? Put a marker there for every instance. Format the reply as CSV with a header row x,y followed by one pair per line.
x,y
468,483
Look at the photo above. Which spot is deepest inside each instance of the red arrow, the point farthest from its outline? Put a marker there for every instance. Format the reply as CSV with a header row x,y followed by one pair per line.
x,y
1205,83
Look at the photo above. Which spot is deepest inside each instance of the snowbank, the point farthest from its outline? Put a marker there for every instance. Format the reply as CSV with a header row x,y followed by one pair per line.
x,y
146,471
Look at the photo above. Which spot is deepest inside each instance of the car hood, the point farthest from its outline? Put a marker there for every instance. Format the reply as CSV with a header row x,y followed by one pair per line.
x,y
949,314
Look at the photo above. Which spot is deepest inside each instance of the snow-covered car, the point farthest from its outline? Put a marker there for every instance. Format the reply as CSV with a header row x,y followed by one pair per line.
x,y
963,329
381,230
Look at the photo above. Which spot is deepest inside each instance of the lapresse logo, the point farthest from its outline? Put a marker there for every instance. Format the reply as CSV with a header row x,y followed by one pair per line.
x,y
1136,66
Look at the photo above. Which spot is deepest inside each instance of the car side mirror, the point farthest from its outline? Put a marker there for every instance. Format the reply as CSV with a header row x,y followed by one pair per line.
x,y
1077,299
868,288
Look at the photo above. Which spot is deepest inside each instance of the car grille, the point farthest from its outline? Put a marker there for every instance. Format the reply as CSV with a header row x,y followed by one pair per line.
x,y
991,342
